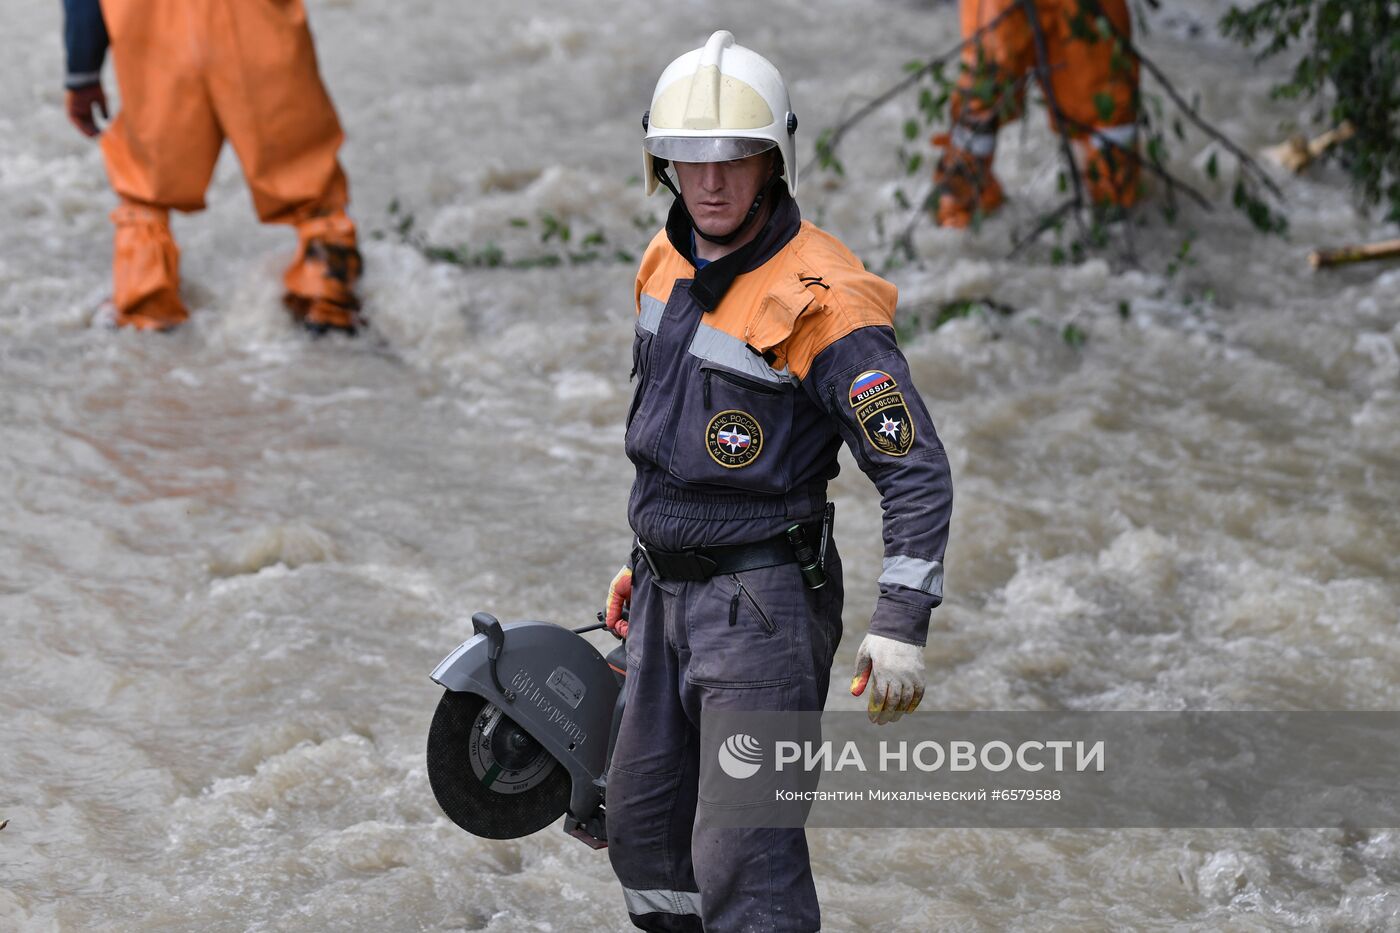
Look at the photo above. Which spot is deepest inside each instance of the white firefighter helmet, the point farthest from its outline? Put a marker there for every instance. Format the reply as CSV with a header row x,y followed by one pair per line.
x,y
718,103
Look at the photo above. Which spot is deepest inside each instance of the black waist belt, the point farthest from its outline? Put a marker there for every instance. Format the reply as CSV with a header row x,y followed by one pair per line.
x,y
702,563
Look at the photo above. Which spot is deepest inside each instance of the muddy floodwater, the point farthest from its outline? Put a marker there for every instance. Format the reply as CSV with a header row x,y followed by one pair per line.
x,y
230,556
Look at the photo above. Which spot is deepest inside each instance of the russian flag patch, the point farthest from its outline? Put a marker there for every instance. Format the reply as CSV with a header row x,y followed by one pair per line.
x,y
870,384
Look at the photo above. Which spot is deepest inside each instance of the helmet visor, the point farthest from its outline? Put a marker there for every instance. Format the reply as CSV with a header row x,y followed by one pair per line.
x,y
705,148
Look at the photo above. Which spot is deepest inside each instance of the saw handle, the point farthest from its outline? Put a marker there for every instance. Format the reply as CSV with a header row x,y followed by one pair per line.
x,y
484,623
601,624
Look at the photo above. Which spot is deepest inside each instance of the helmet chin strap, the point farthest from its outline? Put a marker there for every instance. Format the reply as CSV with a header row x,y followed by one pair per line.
x,y
731,236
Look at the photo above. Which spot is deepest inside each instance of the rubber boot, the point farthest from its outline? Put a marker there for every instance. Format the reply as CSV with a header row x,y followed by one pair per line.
x,y
964,184
145,269
1111,175
320,282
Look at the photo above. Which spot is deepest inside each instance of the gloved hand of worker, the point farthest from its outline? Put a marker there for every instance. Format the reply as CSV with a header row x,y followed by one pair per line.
x,y
894,673
81,102
619,599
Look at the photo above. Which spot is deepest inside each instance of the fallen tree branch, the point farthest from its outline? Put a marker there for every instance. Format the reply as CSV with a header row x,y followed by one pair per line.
x,y
1364,252
1298,152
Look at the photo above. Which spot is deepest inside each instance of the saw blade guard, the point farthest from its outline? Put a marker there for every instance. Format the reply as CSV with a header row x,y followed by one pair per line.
x,y
553,685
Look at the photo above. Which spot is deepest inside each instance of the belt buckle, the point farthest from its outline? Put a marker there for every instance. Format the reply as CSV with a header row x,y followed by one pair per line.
x,y
651,564
689,564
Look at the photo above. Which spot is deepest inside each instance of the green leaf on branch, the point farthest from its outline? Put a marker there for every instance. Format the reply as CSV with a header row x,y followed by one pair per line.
x,y
1079,27
970,307
1104,106
554,227
826,154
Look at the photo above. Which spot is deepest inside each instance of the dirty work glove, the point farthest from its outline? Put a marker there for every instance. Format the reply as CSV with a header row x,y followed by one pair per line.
x,y
894,672
80,103
619,598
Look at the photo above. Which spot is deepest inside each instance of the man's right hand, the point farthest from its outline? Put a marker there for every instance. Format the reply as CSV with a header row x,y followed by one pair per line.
x,y
619,600
81,102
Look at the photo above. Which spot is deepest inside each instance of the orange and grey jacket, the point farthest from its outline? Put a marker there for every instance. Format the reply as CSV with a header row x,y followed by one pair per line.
x,y
750,373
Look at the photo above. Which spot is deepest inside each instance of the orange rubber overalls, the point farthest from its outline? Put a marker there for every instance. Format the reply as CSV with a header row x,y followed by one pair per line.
x,y
193,73
1092,78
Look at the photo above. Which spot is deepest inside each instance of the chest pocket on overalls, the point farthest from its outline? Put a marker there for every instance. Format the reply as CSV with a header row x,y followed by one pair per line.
x,y
733,429
735,425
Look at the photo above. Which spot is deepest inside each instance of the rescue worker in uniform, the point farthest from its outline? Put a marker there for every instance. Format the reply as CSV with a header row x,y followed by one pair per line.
x,y
761,344
1093,79
192,73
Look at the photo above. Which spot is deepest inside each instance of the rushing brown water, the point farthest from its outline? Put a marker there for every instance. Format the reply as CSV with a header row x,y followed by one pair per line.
x,y
231,556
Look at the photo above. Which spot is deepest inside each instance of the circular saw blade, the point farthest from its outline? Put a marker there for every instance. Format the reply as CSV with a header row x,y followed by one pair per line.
x,y
489,776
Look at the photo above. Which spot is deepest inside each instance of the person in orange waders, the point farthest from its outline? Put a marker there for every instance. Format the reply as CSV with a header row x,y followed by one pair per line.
x,y
1092,79
192,73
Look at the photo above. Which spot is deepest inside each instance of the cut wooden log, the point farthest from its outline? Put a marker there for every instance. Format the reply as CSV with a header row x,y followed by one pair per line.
x,y
1298,152
1362,252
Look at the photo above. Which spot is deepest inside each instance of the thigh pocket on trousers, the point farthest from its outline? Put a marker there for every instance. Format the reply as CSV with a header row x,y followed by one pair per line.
x,y
740,630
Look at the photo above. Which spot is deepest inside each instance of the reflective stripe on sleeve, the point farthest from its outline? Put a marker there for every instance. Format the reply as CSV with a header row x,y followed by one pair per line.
x,y
926,576
650,317
79,79
661,902
716,346
1124,136
969,140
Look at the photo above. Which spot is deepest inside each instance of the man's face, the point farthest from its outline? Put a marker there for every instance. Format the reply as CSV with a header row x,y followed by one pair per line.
x,y
719,194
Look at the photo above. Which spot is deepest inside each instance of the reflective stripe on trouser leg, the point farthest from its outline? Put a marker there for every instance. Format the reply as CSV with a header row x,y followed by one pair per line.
x,y
661,902
973,141
1124,136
